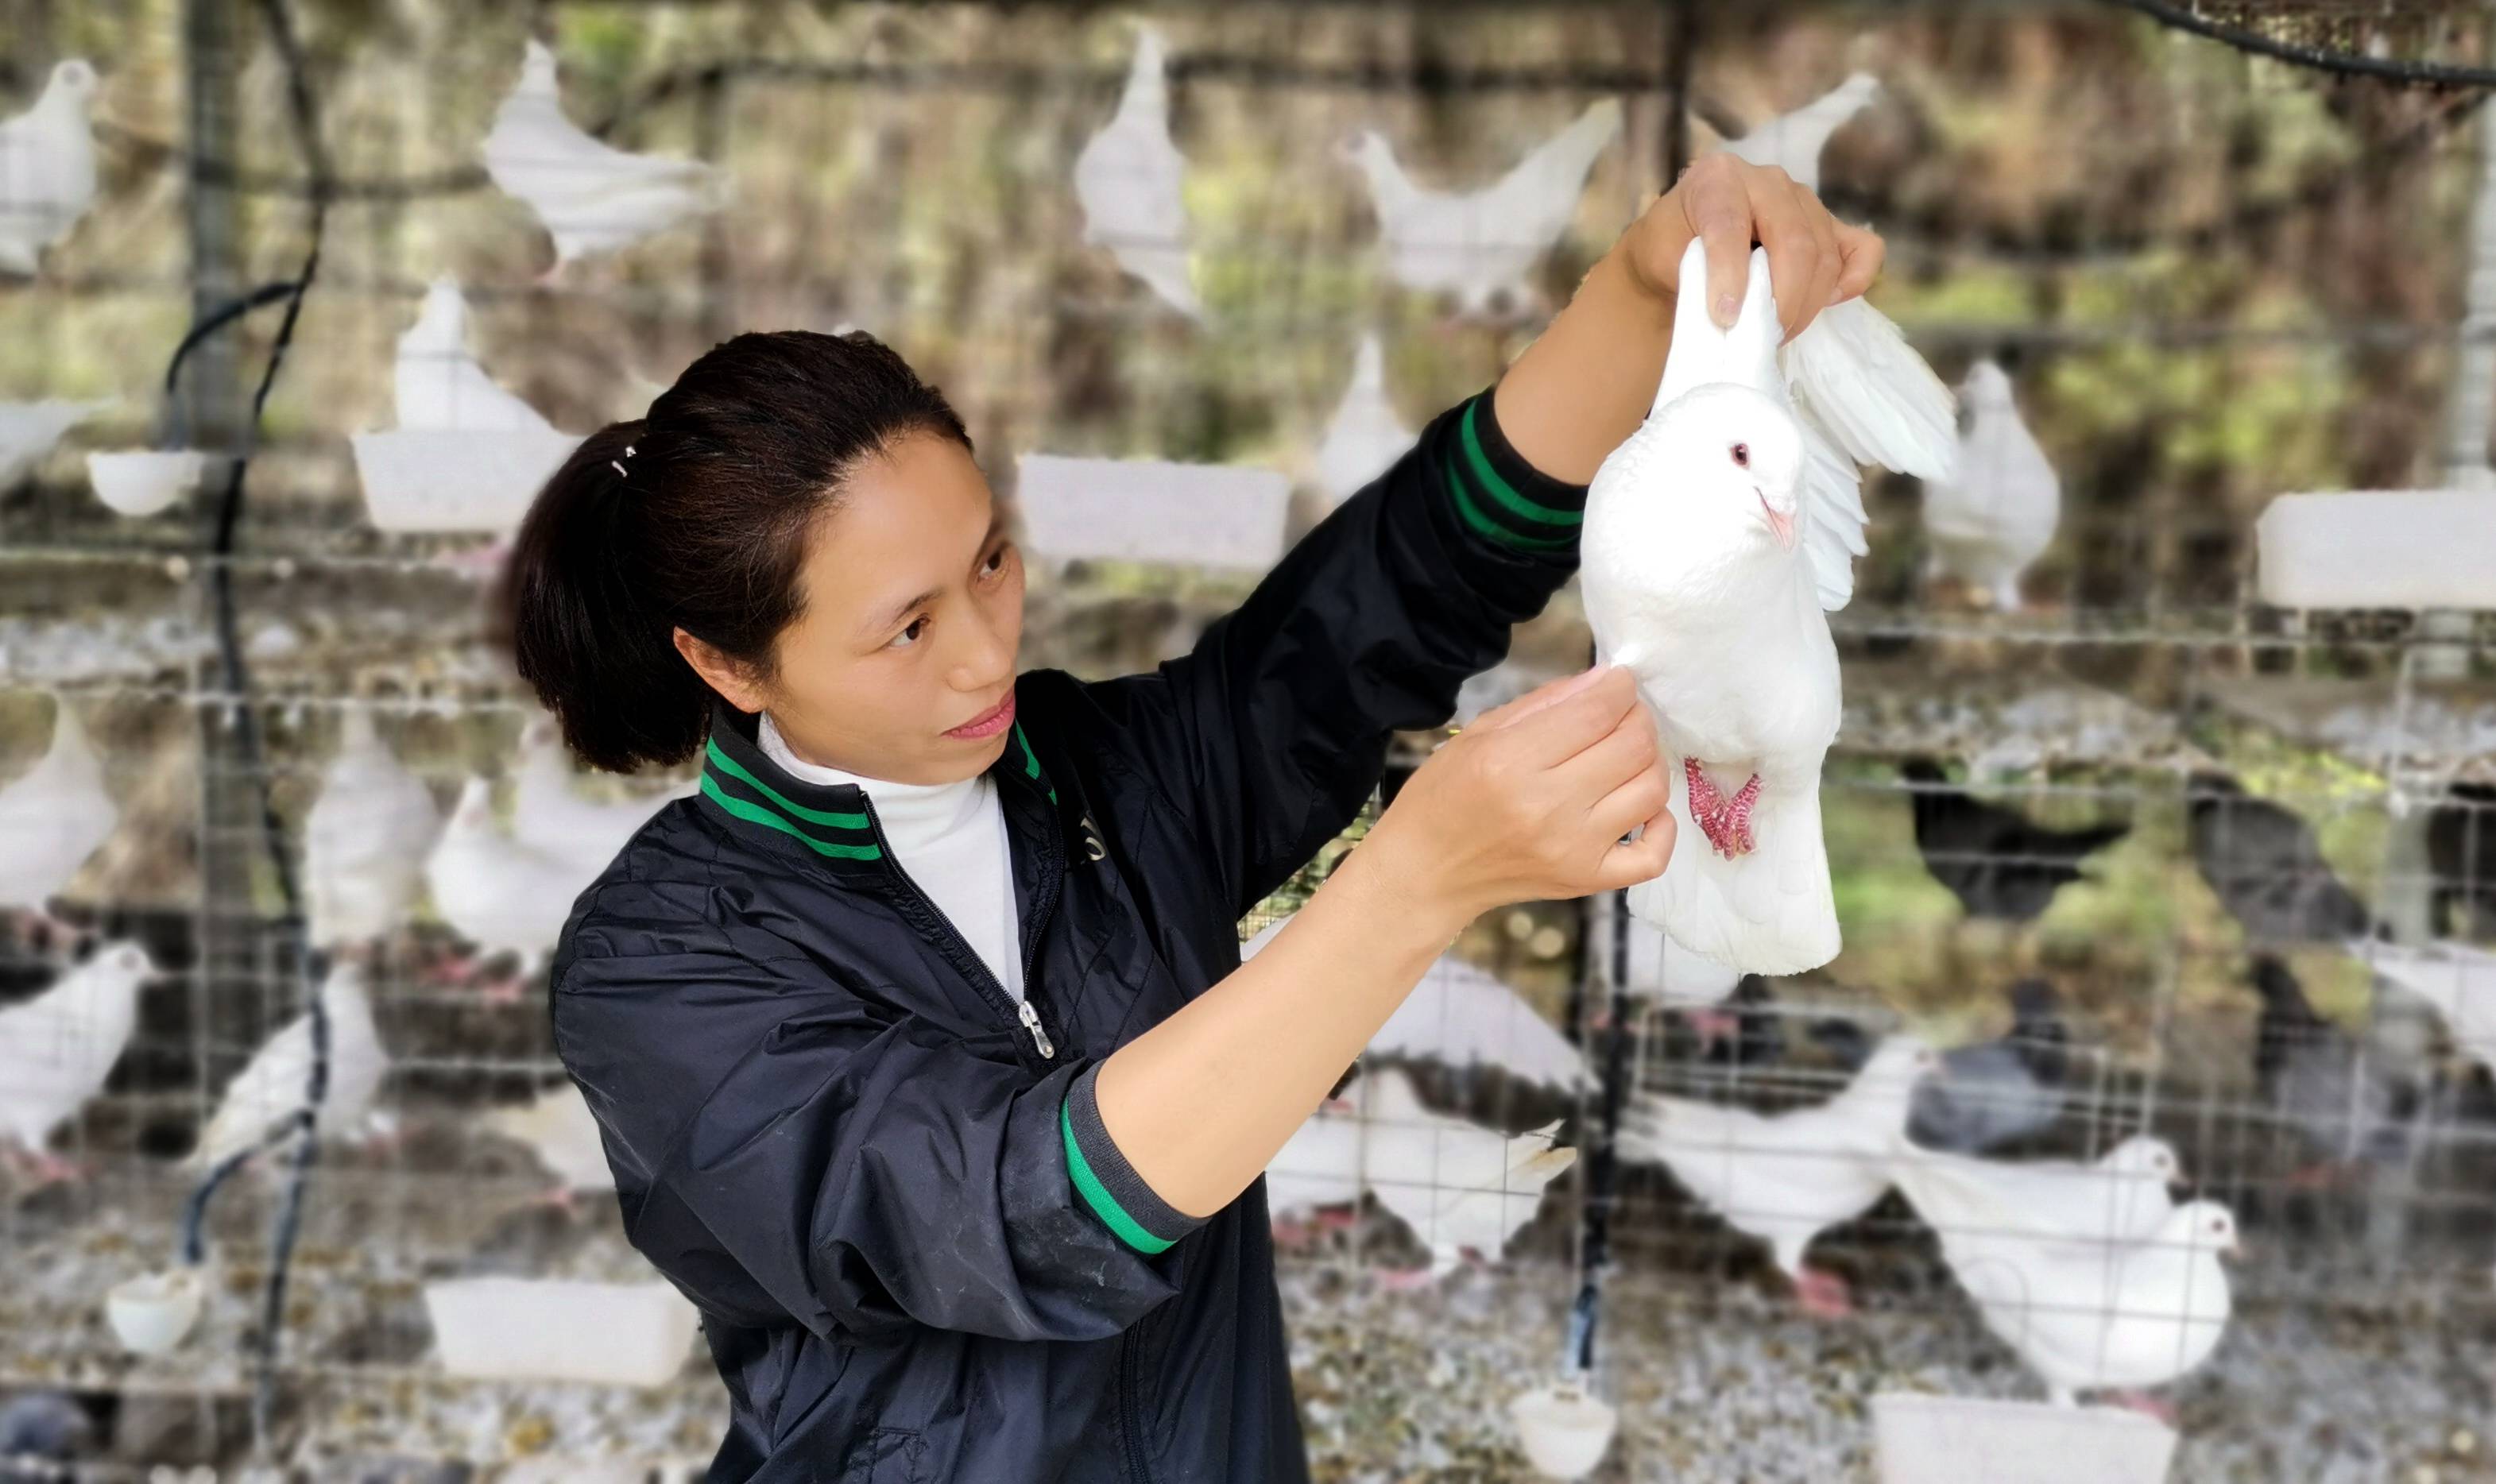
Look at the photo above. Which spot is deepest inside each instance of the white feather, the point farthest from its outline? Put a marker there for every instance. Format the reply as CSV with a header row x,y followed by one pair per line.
x,y
1128,181
1457,1185
591,197
275,1081
46,167
1996,510
1365,436
1793,142
501,894
550,814
559,1128
28,430
57,1048
54,816
438,383
364,840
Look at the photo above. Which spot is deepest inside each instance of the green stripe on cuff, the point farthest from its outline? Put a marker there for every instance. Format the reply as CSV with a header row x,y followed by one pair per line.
x,y
1491,529
1498,489
1097,1195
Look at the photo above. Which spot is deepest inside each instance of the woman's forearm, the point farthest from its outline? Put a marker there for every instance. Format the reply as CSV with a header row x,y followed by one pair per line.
x,y
1200,1104
1586,383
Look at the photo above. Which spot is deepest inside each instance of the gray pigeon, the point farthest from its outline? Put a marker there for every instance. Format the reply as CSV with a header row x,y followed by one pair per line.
x,y
2266,869
1996,861
42,1435
1998,1091
2318,1081
2462,851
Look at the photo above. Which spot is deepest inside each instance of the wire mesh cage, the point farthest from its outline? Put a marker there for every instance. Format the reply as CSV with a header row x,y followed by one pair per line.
x,y
2163,901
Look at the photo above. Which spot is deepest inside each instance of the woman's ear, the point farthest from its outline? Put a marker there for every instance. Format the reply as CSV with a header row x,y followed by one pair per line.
x,y
722,674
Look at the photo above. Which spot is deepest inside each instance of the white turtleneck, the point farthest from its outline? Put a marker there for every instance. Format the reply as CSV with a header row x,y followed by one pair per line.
x,y
947,838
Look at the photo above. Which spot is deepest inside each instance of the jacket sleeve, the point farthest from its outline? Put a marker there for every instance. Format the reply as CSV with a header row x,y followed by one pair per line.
x,y
1274,728
785,1147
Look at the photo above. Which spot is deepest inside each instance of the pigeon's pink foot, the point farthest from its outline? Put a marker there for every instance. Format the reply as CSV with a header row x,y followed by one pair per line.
x,y
2146,1404
1706,803
457,969
1823,1294
561,1198
1295,1233
1336,1217
2324,1176
1712,1026
1405,1280
1725,822
42,1167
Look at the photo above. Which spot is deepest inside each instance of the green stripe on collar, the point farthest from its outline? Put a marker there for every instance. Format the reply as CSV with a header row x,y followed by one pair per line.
x,y
1031,763
758,814
825,817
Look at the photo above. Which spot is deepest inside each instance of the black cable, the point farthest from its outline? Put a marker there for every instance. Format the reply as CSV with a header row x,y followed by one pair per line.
x,y
2344,64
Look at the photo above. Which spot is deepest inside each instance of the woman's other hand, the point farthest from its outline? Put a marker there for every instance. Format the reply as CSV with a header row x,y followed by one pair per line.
x,y
1729,204
1530,802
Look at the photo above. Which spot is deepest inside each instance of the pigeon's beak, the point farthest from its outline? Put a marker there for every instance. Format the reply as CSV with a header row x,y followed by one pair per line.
x,y
1780,523
2234,1251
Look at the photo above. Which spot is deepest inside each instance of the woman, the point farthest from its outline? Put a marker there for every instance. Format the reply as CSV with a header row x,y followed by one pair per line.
x,y
918,1038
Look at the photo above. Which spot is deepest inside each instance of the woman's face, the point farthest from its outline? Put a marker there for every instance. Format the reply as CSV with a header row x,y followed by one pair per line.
x,y
911,617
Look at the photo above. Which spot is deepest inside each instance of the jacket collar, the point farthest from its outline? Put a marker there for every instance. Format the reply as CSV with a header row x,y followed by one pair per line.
x,y
829,820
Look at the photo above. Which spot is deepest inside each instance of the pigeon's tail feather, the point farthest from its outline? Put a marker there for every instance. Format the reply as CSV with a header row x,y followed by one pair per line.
x,y
1768,912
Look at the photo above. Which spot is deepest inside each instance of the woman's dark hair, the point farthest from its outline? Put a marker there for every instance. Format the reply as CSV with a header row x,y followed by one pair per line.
x,y
695,517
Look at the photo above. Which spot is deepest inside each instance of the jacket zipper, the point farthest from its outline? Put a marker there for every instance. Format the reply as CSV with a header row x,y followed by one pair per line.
x,y
1022,1011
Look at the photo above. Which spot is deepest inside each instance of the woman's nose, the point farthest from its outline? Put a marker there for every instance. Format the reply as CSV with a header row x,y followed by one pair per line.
x,y
987,656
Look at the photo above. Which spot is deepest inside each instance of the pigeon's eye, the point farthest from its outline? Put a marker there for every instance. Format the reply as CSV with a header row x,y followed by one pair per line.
x,y
1742,455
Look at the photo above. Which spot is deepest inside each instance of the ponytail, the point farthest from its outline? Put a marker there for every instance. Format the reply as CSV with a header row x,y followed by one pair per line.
x,y
694,517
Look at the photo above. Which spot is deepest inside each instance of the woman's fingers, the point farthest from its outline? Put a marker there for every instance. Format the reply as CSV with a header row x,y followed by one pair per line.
x,y
1536,699
1632,861
1833,259
1718,206
1558,731
1784,228
1863,251
1640,796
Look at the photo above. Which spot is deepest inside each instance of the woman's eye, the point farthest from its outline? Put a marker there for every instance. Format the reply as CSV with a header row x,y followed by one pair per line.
x,y
907,637
997,563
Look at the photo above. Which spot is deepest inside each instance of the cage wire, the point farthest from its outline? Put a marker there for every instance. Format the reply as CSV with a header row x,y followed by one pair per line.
x,y
2140,855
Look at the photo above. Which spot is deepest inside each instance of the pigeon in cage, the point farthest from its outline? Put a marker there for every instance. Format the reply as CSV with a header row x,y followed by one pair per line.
x,y
28,430
276,1081
501,894
1459,1187
1365,436
1128,180
1464,1017
1481,246
548,813
52,817
1716,538
2268,870
57,1049
1793,141
2324,1085
559,1128
43,1435
1316,1177
46,167
591,197
1995,860
1784,1178
437,382
2457,979
2121,1198
2086,1315
1996,512
2462,851
364,841
1999,1092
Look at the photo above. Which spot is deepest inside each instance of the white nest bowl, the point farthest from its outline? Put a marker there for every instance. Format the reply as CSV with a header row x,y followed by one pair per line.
x,y
153,1313
1565,1428
140,481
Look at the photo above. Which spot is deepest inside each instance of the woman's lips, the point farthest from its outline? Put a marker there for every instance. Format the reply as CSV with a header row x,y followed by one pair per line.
x,y
989,722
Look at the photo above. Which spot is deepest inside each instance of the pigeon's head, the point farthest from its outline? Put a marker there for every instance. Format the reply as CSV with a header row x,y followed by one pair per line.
x,y
1739,461
537,68
2145,1157
125,960
1368,149
2205,1227
1900,1061
73,81
1987,386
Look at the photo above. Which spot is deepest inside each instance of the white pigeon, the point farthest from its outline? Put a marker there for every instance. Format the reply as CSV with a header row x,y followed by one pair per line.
x,y
364,840
2120,1198
559,1128
1663,970
2087,1318
1793,142
548,813
1715,538
1320,1165
1459,1187
1481,246
1128,181
57,1048
2457,978
1365,437
439,385
591,197
28,430
1786,1177
276,1080
54,816
1460,1015
1996,510
501,894
46,167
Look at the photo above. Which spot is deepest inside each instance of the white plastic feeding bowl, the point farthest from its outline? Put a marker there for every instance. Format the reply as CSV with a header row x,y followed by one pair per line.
x,y
1565,1430
549,1329
455,479
152,1312
1930,1439
140,481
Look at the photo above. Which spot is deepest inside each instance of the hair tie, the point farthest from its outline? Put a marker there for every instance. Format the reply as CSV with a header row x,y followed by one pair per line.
x,y
619,464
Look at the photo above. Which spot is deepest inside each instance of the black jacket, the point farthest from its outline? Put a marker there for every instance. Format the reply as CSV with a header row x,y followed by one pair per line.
x,y
917,1254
